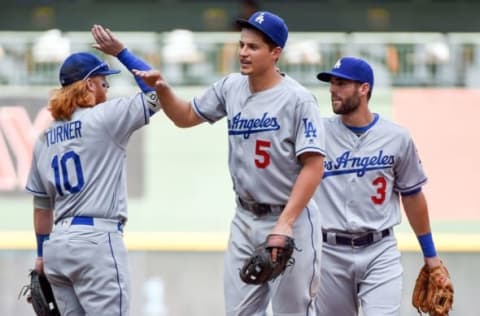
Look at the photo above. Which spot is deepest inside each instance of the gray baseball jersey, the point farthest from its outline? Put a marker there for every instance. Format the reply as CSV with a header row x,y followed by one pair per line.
x,y
365,171
364,175
80,165
267,132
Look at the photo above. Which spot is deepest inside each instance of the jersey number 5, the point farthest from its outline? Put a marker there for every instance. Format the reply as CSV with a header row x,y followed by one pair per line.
x,y
381,184
62,177
262,159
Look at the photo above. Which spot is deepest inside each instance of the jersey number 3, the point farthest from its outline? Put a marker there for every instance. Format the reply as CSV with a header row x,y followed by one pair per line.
x,y
381,184
61,172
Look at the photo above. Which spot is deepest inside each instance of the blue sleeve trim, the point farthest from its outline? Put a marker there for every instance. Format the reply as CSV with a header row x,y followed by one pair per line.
x,y
129,60
413,192
40,193
200,112
317,150
412,187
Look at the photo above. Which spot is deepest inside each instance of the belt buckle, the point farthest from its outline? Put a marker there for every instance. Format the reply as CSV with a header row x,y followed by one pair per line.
x,y
356,238
260,209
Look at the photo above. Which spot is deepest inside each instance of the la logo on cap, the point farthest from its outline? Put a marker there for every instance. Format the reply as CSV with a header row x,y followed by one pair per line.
x,y
338,64
259,19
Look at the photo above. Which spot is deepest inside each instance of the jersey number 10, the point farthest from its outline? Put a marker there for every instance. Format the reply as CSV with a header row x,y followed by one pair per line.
x,y
60,171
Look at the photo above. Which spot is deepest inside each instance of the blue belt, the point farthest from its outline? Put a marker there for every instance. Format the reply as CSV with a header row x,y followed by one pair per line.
x,y
90,221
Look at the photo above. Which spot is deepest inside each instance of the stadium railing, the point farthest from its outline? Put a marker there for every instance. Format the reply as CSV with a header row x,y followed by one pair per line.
x,y
188,58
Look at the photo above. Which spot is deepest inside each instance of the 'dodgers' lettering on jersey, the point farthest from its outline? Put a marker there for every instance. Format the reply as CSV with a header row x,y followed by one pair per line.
x,y
246,126
346,163
60,133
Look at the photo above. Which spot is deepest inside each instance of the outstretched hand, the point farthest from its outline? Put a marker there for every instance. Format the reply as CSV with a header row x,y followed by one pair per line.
x,y
153,78
106,41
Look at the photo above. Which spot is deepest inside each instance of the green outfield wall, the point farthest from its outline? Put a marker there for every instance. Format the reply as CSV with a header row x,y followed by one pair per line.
x,y
180,193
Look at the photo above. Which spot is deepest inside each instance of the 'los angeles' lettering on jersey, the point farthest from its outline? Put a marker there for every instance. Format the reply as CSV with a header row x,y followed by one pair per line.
x,y
244,126
60,133
346,163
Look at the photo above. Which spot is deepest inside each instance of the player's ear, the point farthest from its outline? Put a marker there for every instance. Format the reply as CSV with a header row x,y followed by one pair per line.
x,y
364,88
276,52
89,84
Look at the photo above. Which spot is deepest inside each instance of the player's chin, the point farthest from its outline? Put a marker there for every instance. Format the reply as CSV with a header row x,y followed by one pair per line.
x,y
336,104
245,69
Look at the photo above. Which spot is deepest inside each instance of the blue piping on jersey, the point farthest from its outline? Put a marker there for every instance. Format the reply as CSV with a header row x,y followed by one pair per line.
x,y
37,192
412,187
363,129
313,240
200,112
347,171
309,149
116,269
147,112
247,132
413,192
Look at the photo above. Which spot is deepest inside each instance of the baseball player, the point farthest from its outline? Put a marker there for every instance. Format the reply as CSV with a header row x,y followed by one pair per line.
x,y
276,148
78,182
371,164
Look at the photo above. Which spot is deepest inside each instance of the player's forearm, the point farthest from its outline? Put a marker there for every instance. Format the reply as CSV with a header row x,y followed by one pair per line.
x,y
305,186
178,110
42,221
131,61
417,213
416,209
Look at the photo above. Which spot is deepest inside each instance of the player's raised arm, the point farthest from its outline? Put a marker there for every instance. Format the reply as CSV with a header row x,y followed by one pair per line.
x,y
105,41
108,43
178,110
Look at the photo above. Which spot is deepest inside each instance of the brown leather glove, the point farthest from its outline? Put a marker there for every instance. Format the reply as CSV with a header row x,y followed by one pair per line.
x,y
433,292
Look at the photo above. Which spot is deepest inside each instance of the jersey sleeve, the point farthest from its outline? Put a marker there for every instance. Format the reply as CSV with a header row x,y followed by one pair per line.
x,y
310,131
122,116
410,175
34,183
211,104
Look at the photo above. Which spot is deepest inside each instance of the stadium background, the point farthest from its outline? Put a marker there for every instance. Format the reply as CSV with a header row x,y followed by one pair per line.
x,y
181,199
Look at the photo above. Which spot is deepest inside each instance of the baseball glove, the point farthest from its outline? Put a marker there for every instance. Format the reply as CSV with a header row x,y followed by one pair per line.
x,y
39,293
261,268
433,291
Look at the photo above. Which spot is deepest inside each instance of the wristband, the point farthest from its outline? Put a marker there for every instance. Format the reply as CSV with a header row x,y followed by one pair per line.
x,y
40,239
428,247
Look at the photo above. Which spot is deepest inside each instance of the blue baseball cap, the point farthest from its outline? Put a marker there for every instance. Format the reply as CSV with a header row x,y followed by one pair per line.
x,y
350,68
80,66
269,24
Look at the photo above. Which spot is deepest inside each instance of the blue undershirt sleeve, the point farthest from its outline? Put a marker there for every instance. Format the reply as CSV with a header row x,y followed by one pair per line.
x,y
129,60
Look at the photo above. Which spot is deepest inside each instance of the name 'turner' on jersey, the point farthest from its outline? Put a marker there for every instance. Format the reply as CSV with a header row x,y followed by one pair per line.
x,y
63,132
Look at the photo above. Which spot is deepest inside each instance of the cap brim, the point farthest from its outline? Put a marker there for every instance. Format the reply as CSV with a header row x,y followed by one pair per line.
x,y
243,22
327,75
106,72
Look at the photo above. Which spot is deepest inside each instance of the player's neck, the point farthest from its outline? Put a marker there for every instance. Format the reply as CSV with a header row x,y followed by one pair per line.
x,y
361,117
264,81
